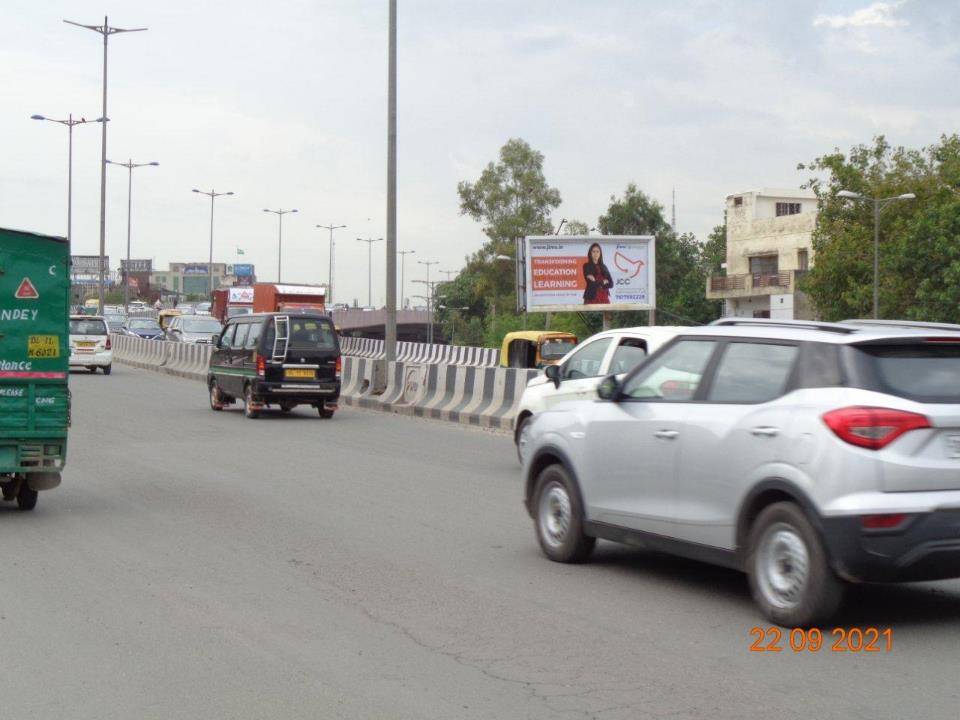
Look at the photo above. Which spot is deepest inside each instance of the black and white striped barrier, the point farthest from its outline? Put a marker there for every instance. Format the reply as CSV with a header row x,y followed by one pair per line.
x,y
422,352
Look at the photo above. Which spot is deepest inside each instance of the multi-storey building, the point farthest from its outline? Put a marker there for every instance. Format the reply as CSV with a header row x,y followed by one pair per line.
x,y
194,278
769,249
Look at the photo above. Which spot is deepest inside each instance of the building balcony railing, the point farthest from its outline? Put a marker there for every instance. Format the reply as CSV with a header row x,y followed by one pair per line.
x,y
747,284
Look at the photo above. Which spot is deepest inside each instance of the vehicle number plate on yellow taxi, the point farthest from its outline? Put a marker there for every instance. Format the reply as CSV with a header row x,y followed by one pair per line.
x,y
298,373
43,346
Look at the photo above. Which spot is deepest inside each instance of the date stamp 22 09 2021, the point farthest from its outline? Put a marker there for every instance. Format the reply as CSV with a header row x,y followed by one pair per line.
x,y
840,640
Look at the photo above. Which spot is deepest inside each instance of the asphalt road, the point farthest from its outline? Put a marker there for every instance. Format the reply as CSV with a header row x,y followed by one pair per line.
x,y
201,565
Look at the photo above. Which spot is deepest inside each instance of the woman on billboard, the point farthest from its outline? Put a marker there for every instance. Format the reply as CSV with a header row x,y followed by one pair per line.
x,y
597,277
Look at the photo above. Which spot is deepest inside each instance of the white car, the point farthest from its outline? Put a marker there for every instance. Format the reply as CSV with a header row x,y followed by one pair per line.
x,y
90,345
576,376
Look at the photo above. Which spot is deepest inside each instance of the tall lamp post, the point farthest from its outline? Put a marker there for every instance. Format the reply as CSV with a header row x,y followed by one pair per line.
x,y
431,287
331,227
370,242
213,196
69,123
403,262
129,165
106,31
280,214
878,205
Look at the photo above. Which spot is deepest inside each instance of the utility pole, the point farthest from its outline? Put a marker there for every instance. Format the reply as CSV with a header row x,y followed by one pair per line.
x,y
106,31
280,213
428,263
370,242
129,165
331,227
390,331
213,196
403,263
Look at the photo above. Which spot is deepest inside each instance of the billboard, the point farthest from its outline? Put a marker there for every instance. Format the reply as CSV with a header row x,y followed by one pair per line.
x,y
85,269
136,266
240,295
195,269
242,270
601,273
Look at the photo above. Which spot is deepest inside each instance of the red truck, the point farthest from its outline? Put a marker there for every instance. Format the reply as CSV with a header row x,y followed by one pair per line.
x,y
228,302
275,297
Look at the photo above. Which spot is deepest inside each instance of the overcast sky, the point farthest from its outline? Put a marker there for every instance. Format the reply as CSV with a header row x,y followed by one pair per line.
x,y
284,103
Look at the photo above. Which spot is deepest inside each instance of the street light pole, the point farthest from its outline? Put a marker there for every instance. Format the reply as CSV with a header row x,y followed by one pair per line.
x,y
370,242
403,262
280,213
69,123
106,31
390,327
213,196
878,205
331,227
428,263
129,165
430,293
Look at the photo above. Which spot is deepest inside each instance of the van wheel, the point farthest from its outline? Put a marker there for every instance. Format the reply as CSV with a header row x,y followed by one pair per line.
x,y
107,369
559,517
248,403
790,577
26,498
216,402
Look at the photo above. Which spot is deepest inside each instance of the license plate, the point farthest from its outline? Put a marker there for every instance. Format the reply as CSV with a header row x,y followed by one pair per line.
x,y
296,373
43,346
85,344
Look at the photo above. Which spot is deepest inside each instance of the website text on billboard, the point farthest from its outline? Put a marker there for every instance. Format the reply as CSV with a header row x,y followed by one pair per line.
x,y
611,272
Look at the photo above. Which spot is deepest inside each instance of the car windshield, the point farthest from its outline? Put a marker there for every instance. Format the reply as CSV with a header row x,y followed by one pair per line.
x,y
201,325
555,349
87,327
143,324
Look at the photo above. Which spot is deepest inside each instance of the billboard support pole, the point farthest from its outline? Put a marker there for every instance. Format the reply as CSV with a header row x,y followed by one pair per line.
x,y
607,319
652,317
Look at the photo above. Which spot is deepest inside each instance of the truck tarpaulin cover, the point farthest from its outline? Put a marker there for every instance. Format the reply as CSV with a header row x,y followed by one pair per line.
x,y
565,273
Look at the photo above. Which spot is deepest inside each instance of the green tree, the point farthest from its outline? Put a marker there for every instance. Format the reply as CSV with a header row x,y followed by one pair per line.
x,y
919,256
681,273
714,252
576,227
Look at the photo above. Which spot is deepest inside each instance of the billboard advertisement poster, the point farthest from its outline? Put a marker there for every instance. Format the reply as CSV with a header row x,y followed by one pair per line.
x,y
195,269
136,266
242,270
600,273
88,264
240,295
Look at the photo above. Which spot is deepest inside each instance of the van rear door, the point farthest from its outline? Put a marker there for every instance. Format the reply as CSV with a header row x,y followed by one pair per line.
x,y
312,349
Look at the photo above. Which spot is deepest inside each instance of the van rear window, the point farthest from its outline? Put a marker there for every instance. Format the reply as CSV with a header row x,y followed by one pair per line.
x,y
311,333
923,372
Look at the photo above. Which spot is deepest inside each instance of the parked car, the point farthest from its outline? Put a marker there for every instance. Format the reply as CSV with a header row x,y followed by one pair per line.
x,y
202,329
143,327
90,345
280,359
577,374
808,455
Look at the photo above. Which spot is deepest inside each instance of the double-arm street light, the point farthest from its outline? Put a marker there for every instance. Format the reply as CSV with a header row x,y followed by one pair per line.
x,y
370,242
331,227
431,289
280,214
213,195
403,262
69,123
878,205
106,31
129,165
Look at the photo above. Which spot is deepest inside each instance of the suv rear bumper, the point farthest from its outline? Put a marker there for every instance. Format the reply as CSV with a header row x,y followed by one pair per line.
x,y
298,392
926,547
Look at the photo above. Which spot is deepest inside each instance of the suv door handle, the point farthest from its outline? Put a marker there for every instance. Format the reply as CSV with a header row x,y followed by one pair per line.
x,y
666,434
765,431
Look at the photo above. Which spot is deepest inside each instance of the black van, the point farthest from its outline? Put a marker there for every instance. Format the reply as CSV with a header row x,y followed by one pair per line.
x,y
282,359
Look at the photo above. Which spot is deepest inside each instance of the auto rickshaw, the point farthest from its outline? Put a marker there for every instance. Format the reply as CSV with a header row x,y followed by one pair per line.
x,y
535,348
165,316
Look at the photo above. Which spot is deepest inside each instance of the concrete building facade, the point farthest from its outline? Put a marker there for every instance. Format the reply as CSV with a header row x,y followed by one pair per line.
x,y
194,279
769,248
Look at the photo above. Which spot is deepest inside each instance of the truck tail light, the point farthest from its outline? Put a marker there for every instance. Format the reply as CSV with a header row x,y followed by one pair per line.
x,y
339,366
872,427
261,366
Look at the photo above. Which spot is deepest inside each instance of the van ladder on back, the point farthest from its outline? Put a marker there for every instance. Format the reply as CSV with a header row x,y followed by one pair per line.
x,y
281,340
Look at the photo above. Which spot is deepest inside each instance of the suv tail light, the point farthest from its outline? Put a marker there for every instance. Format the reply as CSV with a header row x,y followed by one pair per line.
x,y
872,427
339,367
109,345
261,366
882,522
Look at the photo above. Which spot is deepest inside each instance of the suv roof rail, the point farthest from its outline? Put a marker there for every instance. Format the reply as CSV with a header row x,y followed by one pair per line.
x,y
918,324
800,324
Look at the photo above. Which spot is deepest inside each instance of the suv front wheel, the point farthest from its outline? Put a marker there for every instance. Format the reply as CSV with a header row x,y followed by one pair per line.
x,y
790,577
559,517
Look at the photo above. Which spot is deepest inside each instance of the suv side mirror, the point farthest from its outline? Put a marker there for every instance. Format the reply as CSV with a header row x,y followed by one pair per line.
x,y
609,388
553,373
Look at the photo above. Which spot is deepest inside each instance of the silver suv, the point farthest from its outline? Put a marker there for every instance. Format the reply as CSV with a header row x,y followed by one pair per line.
x,y
806,454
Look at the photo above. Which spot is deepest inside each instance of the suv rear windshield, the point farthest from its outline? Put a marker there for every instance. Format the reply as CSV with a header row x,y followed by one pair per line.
x,y
311,333
928,373
88,327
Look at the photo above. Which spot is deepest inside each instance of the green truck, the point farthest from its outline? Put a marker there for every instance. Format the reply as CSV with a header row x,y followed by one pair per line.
x,y
34,363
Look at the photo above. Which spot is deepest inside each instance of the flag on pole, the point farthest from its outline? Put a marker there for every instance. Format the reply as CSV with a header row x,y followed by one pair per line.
x,y
239,251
